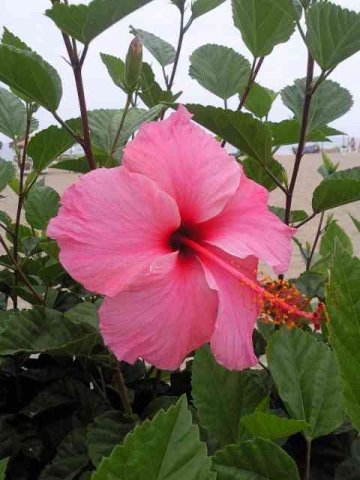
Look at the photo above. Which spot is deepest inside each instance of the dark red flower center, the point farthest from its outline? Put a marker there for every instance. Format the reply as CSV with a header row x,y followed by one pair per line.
x,y
176,239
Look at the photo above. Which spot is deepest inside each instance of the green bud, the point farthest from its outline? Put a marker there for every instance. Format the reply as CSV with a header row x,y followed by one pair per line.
x,y
133,65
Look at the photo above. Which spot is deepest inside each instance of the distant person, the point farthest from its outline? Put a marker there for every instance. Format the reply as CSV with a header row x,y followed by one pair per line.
x,y
352,145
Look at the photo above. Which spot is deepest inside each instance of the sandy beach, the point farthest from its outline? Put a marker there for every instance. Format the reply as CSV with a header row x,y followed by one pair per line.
x,y
309,178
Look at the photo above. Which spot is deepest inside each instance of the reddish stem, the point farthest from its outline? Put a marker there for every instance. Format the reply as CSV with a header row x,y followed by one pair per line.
x,y
252,77
302,139
77,68
178,50
19,271
77,65
316,240
21,194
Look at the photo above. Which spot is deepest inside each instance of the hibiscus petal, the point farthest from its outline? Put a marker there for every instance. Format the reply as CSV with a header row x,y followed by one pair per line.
x,y
247,227
185,162
238,310
111,225
162,315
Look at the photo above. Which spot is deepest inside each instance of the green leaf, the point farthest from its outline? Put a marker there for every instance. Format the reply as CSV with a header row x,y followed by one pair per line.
x,y
166,447
150,91
233,394
5,219
43,330
295,215
70,459
350,468
86,475
116,68
259,100
13,116
47,145
328,167
298,7
179,4
8,38
162,51
343,306
329,102
287,132
338,189
7,173
306,375
241,130
85,22
219,69
200,7
14,184
136,118
356,222
29,74
3,465
257,172
66,391
51,248
332,33
311,284
41,204
12,40
105,123
79,165
107,431
16,435
85,312
256,459
265,425
332,236
264,23
159,403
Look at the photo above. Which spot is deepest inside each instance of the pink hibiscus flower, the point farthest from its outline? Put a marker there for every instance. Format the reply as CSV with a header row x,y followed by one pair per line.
x,y
172,239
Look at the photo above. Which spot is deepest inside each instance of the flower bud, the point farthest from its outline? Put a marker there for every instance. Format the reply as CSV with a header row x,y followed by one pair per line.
x,y
133,65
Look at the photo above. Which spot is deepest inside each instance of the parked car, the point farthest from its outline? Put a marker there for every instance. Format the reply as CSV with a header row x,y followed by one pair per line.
x,y
309,149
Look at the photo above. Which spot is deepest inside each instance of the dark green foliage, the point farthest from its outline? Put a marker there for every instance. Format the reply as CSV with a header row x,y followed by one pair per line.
x,y
85,22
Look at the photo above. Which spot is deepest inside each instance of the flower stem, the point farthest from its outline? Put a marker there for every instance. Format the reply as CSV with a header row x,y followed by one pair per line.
x,y
77,68
67,128
317,236
302,139
252,77
122,121
178,50
21,194
308,460
123,393
308,219
18,271
255,68
77,64
254,73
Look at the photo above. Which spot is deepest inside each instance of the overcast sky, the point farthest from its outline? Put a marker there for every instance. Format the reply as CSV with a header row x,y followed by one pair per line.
x,y
287,62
